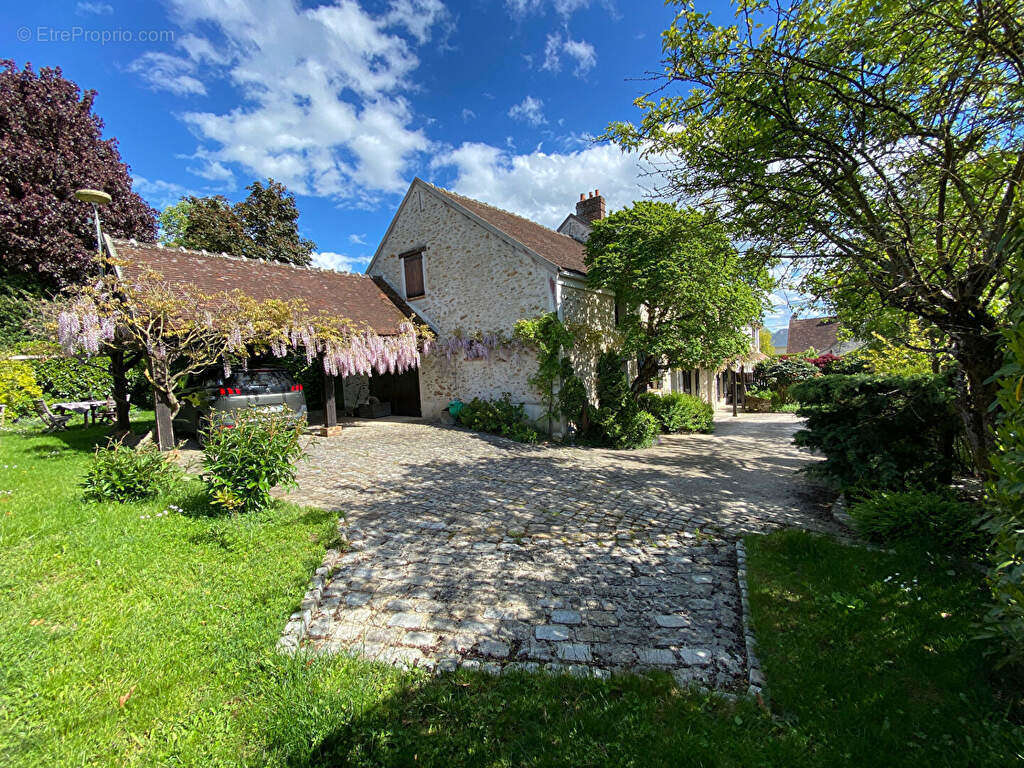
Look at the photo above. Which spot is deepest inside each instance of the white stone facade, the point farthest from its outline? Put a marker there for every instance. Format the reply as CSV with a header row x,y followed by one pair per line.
x,y
476,280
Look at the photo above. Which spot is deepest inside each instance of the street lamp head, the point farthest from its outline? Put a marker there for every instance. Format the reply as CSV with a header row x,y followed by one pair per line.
x,y
94,196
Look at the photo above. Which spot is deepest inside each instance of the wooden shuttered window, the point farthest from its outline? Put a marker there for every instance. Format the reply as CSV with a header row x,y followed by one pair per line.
x,y
414,286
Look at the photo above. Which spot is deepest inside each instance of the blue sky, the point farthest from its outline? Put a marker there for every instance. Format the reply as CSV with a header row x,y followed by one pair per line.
x,y
346,101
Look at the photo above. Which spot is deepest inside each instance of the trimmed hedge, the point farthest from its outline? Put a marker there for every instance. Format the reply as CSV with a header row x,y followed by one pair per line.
x,y
67,378
880,432
679,412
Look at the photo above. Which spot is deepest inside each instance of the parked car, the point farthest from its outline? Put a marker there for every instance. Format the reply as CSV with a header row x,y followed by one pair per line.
x,y
265,388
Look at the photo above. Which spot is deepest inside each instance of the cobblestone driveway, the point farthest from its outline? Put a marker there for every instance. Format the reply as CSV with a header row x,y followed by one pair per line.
x,y
472,550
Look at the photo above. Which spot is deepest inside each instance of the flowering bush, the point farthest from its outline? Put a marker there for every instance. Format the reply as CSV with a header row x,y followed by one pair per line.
x,y
120,473
779,374
246,454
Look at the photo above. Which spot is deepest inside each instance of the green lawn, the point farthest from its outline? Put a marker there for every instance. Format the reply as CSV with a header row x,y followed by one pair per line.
x,y
129,636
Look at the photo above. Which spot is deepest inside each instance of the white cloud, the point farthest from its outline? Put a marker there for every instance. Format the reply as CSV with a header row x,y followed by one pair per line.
x,y
160,193
540,186
529,110
564,8
164,72
97,9
339,262
468,114
579,50
322,107
357,239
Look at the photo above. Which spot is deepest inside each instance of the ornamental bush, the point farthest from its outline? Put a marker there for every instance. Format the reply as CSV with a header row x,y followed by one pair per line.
x,y
18,387
934,520
120,473
247,453
679,412
891,433
779,374
499,417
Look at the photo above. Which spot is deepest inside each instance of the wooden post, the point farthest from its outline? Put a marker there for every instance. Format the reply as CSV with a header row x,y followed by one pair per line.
x,y
164,427
330,426
735,392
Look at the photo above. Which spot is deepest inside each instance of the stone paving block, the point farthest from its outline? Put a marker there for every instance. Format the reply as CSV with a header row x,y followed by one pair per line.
x,y
419,639
574,652
655,657
565,616
493,648
552,632
406,620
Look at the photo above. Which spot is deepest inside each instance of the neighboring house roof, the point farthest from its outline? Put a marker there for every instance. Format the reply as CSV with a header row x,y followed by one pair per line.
x,y
561,250
576,227
821,333
342,294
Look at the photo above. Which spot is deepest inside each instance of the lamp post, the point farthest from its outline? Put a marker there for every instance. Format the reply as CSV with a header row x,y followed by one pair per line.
x,y
96,198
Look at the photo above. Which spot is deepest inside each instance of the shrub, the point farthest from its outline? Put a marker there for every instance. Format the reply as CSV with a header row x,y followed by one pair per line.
x,y
120,473
18,387
1005,621
880,432
779,374
246,454
499,417
938,520
619,421
627,428
678,412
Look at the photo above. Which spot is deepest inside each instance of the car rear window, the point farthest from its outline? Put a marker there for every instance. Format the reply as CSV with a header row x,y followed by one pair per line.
x,y
255,382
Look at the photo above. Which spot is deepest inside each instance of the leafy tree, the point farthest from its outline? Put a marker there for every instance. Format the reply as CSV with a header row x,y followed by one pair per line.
x,y
50,145
686,296
270,219
766,341
881,140
263,226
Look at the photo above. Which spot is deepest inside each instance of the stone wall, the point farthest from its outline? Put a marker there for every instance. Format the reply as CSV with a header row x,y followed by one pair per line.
x,y
475,280
591,316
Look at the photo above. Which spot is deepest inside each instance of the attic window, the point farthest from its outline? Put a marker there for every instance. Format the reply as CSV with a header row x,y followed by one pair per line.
x,y
413,265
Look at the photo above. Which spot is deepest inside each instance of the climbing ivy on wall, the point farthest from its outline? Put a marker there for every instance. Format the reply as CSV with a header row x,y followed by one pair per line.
x,y
559,387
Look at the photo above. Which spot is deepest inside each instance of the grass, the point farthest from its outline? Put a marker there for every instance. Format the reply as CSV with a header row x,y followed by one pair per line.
x,y
129,637
873,652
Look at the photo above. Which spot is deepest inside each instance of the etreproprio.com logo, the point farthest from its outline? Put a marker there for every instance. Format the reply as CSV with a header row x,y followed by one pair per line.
x,y
77,34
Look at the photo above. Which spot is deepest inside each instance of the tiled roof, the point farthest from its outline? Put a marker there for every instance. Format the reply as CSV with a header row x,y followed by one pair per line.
x,y
341,294
818,332
561,250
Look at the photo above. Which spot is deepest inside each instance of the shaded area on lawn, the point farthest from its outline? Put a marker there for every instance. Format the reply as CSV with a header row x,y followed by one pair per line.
x,y
873,653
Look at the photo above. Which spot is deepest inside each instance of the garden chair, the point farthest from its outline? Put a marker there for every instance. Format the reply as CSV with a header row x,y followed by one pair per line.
x,y
53,422
105,413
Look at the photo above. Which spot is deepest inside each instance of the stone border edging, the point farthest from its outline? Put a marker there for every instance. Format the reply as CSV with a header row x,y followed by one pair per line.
x,y
755,676
297,627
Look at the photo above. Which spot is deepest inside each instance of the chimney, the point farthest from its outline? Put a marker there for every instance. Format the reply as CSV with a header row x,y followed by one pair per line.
x,y
591,207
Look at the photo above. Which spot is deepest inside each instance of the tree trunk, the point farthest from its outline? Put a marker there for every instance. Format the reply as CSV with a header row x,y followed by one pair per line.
x,y
979,356
646,372
119,373
166,403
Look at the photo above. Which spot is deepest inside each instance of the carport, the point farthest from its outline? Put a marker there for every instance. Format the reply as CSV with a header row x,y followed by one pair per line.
x,y
367,302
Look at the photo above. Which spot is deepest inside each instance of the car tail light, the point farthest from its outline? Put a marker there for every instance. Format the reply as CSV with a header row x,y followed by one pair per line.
x,y
230,391
222,391
296,387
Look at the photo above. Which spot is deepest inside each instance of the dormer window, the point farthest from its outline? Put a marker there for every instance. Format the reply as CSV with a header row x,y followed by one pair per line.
x,y
412,263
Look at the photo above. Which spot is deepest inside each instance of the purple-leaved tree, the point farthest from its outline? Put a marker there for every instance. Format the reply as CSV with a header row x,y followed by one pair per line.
x,y
50,145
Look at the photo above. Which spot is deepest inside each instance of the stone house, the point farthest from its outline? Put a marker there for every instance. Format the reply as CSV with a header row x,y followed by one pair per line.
x,y
471,270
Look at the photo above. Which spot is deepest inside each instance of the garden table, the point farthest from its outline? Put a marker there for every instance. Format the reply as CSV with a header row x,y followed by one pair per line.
x,y
84,407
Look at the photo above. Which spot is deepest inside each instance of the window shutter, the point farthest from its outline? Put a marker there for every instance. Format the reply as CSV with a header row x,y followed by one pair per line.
x,y
414,275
